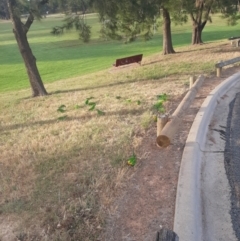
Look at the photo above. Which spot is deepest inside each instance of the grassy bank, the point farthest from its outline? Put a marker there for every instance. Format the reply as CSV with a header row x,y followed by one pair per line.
x,y
62,163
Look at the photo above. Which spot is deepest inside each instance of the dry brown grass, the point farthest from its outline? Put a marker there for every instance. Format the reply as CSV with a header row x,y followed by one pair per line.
x,y
58,177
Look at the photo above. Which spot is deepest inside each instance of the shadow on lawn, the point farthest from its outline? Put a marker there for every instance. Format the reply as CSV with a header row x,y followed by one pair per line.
x,y
98,87
225,48
5,129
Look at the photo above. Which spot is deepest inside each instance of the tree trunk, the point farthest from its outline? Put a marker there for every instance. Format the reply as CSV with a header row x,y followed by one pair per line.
x,y
20,32
197,32
167,36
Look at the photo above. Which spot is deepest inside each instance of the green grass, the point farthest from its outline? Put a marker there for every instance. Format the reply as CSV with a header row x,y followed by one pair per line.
x,y
61,57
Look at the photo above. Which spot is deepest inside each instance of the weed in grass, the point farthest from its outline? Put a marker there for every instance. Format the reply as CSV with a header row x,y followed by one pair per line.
x,y
100,112
87,100
93,105
61,118
159,106
61,108
132,160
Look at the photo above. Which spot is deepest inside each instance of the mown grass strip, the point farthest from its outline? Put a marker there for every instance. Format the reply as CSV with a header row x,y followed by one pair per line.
x,y
61,57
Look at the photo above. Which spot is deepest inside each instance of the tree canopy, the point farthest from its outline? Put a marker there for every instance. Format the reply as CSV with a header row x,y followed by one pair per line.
x,y
71,6
128,19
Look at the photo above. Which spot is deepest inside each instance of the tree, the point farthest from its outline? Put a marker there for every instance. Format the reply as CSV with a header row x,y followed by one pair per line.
x,y
76,21
200,13
71,6
75,18
127,19
20,31
167,35
173,8
124,20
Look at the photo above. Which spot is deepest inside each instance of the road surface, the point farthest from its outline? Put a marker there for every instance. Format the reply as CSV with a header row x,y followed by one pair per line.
x,y
220,174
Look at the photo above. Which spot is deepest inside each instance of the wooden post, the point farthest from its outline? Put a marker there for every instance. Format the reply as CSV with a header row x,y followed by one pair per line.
x,y
172,126
166,235
219,68
221,64
161,122
219,71
192,79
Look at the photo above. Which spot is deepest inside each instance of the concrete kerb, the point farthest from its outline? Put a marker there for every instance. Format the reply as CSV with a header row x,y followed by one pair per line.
x,y
188,208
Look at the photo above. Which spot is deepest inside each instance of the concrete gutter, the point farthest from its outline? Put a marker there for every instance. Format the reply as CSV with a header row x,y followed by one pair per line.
x,y
188,223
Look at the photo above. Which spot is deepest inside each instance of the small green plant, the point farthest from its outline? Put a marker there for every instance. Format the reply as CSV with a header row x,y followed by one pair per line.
x,y
61,108
61,118
93,105
100,112
87,100
132,160
160,101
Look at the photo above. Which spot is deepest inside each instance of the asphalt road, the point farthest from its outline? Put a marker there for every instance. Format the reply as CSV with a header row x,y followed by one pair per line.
x,y
232,160
208,195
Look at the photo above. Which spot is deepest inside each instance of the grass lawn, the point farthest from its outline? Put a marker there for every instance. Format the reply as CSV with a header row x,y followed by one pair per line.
x,y
62,160
61,57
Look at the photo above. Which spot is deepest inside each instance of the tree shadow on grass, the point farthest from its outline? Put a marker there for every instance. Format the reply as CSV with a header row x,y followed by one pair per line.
x,y
90,88
161,78
97,87
196,50
100,86
66,118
